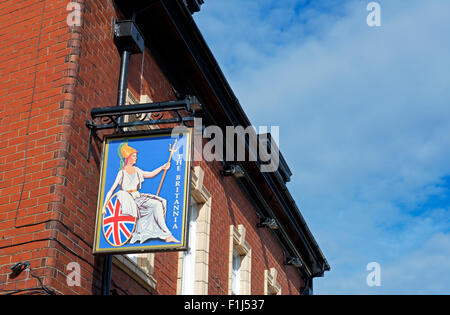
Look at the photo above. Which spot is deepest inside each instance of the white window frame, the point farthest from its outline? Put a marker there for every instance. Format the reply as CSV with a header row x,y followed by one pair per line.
x,y
239,246
202,199
236,273
189,256
271,286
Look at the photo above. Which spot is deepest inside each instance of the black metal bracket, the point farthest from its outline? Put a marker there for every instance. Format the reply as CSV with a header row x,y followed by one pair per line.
x,y
194,5
18,268
230,169
147,114
270,223
294,261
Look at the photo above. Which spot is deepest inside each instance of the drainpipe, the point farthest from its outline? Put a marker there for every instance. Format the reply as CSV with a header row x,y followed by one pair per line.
x,y
129,41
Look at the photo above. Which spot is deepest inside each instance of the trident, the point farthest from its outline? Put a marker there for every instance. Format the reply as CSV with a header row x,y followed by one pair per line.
x,y
172,150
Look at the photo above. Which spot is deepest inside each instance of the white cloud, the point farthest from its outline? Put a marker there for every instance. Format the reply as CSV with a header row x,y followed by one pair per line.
x,y
364,122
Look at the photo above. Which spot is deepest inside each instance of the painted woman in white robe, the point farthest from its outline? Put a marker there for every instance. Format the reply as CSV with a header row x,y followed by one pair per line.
x,y
150,210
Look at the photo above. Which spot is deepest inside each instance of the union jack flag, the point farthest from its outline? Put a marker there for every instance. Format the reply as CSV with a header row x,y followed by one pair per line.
x,y
117,228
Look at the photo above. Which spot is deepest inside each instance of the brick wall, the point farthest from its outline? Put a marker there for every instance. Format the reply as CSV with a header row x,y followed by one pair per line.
x,y
51,75
36,77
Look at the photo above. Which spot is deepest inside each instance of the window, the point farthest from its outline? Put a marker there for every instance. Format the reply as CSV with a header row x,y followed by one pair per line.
x,y
133,257
239,279
271,286
188,279
130,100
236,273
139,268
193,265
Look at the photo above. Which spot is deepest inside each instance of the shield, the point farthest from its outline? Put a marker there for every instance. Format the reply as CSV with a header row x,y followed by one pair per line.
x,y
117,228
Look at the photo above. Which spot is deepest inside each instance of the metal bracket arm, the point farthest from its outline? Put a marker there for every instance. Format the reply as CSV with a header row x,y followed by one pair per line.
x,y
105,118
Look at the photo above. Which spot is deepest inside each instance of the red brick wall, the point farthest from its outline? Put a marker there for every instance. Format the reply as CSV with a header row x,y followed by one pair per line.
x,y
36,76
51,76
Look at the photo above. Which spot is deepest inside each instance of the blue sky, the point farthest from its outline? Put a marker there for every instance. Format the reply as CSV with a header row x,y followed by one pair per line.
x,y
364,116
